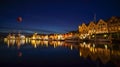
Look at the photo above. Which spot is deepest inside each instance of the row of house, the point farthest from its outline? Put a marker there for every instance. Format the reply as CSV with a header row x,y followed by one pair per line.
x,y
13,36
40,36
51,36
112,25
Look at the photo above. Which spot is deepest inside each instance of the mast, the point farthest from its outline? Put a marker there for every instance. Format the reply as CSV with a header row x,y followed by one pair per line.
x,y
95,18
95,23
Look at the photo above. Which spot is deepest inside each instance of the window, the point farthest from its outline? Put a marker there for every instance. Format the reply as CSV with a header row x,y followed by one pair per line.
x,y
109,29
119,28
115,28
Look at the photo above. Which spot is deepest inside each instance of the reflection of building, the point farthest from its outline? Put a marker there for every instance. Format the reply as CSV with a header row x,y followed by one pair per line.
x,y
55,44
104,54
12,42
86,50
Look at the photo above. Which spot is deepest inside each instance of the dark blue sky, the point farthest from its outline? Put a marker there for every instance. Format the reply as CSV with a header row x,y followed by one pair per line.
x,y
53,16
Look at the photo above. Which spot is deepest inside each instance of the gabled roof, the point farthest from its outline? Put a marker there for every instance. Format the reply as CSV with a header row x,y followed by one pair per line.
x,y
113,19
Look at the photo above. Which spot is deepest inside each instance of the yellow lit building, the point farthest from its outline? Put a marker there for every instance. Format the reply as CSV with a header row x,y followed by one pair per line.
x,y
60,37
91,28
83,30
101,27
10,36
46,37
51,37
114,24
35,36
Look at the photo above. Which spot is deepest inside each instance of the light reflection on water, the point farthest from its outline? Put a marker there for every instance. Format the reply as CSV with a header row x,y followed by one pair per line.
x,y
104,52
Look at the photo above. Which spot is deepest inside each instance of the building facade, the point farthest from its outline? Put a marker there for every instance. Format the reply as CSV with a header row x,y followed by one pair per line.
x,y
83,31
113,24
91,28
101,27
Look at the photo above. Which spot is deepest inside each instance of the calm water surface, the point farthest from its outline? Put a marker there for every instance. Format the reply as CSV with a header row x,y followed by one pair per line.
x,y
58,53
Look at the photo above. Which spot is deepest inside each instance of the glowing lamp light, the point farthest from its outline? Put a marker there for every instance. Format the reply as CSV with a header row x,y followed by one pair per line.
x,y
71,47
93,45
105,46
105,35
80,53
93,36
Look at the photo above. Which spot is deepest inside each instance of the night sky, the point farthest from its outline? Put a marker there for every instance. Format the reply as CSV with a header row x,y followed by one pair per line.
x,y
53,16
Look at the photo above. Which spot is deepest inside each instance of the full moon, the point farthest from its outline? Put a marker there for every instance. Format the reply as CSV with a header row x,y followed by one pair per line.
x,y
19,19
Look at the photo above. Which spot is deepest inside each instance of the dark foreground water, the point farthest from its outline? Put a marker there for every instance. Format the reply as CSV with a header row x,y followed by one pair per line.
x,y
58,53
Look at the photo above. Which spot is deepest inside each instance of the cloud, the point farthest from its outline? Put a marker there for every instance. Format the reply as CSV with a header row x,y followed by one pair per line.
x,y
24,30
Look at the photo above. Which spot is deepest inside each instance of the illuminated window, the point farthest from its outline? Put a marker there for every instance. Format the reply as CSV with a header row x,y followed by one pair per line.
x,y
119,28
115,28
105,35
93,36
109,29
